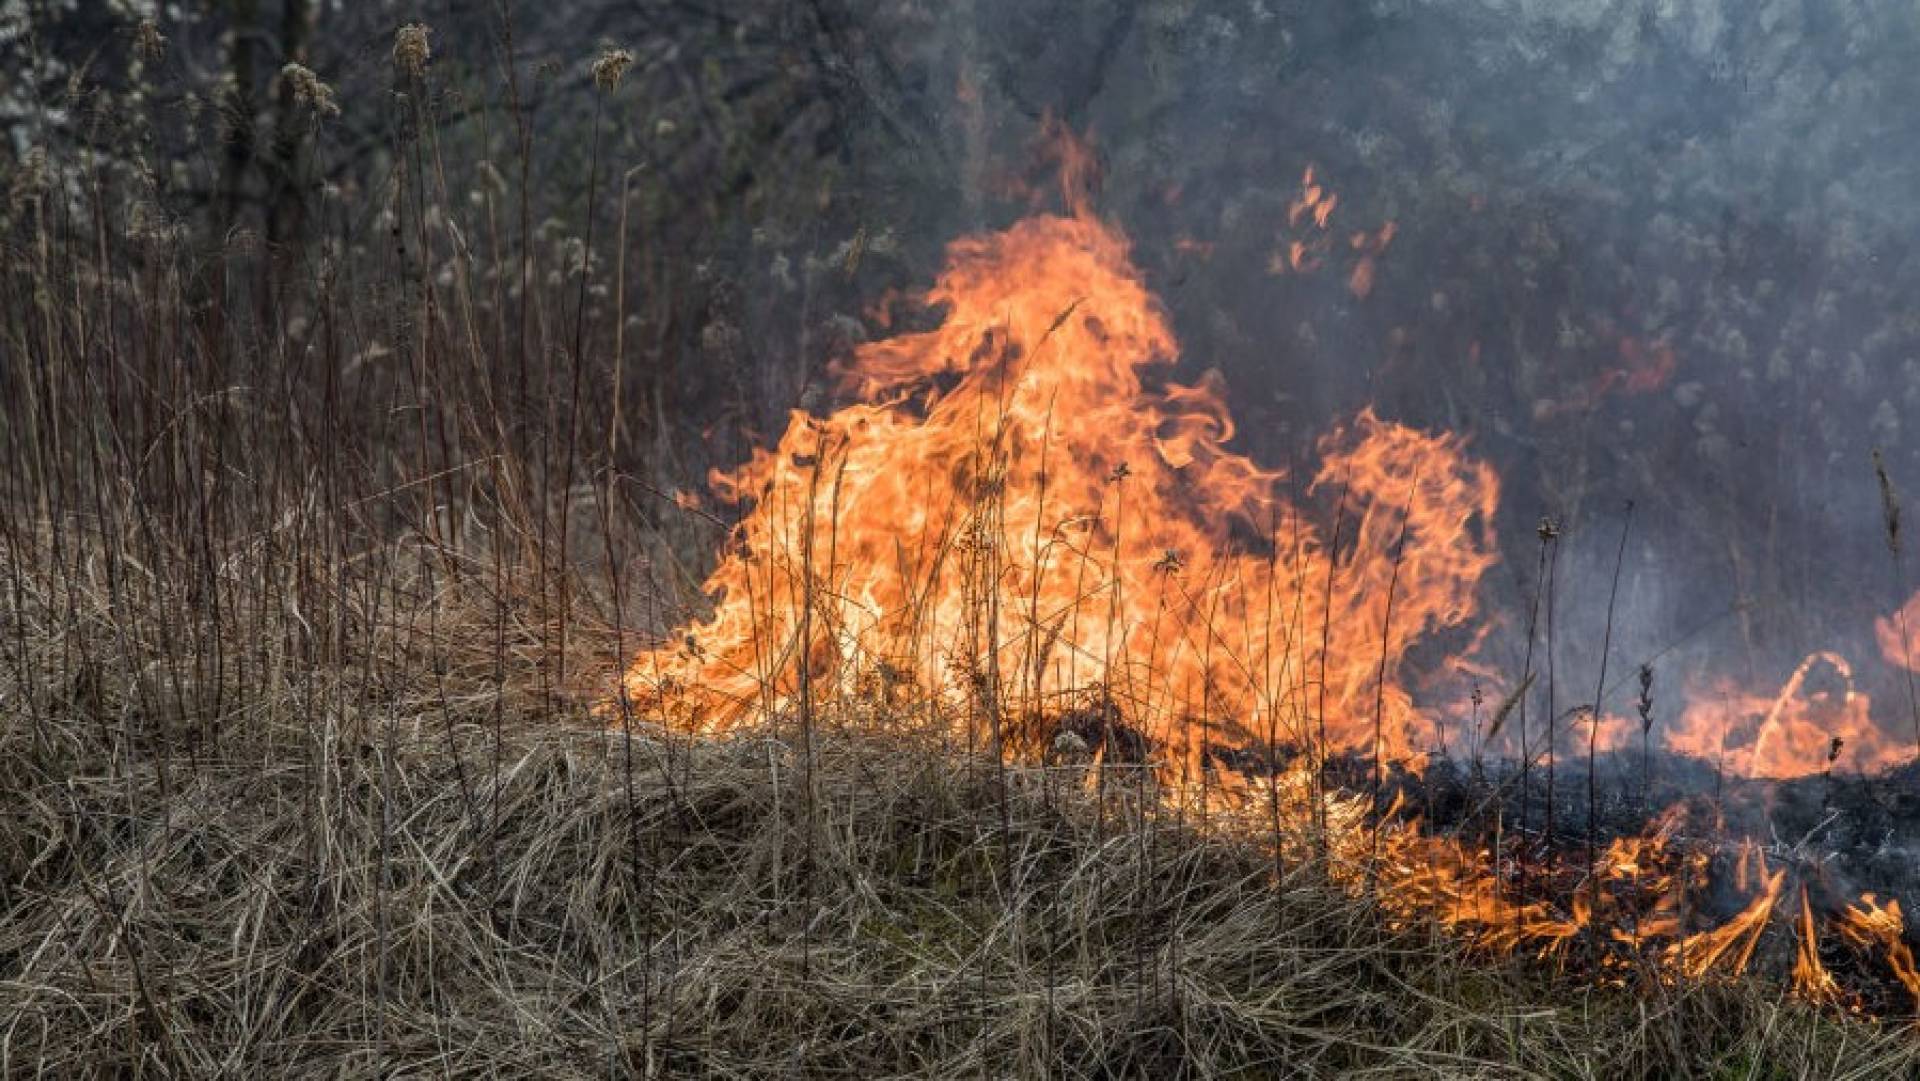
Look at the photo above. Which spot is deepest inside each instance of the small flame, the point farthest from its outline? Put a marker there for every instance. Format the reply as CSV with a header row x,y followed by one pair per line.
x,y
1810,977
1869,924
1732,942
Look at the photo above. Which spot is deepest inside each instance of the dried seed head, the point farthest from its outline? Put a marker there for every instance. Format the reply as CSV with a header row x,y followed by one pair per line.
x,y
1069,745
309,91
1507,706
31,180
492,177
1889,502
148,223
1547,530
611,68
410,50
149,43
1645,702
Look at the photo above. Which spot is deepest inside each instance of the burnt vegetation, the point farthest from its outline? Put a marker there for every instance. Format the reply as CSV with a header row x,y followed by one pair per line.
x,y
365,367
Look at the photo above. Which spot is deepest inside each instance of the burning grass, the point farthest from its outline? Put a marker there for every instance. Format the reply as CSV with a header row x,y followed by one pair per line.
x,y
1033,729
607,905
1020,524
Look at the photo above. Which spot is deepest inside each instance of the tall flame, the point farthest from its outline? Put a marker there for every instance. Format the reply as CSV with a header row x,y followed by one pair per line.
x,y
1023,519
1022,506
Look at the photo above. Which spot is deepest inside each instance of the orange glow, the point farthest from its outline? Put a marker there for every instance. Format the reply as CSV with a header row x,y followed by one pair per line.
x,y
1308,241
1314,201
1730,945
1871,925
1896,646
1643,368
1810,977
1370,246
1616,734
1019,509
1792,733
1360,282
1638,368
1020,516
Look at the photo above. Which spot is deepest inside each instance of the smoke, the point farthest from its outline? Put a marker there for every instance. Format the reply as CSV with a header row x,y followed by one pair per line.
x,y
1646,251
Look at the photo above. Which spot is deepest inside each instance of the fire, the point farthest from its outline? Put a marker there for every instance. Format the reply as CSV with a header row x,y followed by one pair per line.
x,y
1616,734
1732,942
1638,368
1871,925
1895,634
1817,721
1314,201
1370,247
1810,977
1308,241
1022,508
1021,518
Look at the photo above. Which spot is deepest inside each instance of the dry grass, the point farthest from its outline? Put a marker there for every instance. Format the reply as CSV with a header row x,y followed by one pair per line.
x,y
352,879
312,564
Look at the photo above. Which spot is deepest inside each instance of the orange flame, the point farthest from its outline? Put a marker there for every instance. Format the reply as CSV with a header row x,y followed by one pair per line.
x,y
1021,507
1869,924
1639,368
1732,942
1896,635
1021,517
1309,242
1803,730
1810,976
